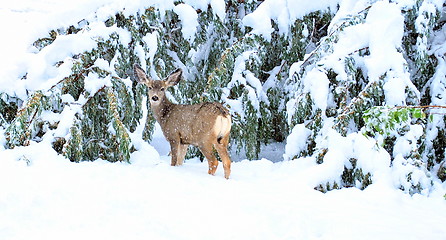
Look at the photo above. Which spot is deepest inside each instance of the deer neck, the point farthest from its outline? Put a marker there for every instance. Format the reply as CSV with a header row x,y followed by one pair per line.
x,y
161,111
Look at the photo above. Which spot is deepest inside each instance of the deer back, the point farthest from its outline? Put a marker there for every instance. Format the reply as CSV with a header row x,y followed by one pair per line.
x,y
195,124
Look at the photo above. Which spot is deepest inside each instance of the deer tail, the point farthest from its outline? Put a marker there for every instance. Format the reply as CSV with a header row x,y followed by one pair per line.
x,y
223,126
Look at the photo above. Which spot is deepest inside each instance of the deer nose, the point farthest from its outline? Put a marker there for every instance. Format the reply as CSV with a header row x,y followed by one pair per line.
x,y
155,98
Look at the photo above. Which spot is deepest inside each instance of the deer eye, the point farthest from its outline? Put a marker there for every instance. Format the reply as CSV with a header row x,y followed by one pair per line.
x,y
162,89
150,88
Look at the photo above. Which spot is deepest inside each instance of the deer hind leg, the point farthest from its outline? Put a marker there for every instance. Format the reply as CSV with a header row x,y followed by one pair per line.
x,y
222,149
208,152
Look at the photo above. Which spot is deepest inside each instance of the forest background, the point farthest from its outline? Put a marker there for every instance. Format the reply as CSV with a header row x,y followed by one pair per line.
x,y
358,86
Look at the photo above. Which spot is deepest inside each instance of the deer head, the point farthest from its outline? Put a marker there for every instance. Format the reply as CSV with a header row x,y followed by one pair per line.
x,y
157,88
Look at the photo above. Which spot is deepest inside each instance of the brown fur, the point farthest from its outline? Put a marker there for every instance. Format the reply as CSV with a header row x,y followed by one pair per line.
x,y
205,125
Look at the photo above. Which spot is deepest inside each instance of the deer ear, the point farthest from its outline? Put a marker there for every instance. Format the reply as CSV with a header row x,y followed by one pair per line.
x,y
140,74
174,77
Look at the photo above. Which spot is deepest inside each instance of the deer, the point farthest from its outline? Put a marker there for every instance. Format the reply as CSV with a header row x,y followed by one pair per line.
x,y
206,126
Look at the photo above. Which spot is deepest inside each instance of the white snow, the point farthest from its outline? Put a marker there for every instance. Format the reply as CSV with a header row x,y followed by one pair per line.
x,y
92,83
316,83
386,27
284,12
296,141
244,77
53,199
151,40
189,20
66,120
44,196
219,8
386,31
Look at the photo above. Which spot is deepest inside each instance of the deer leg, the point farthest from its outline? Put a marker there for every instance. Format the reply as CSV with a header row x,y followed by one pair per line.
x,y
174,146
212,160
182,150
222,150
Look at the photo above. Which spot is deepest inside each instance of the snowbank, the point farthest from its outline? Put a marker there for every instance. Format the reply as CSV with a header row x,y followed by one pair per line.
x,y
52,199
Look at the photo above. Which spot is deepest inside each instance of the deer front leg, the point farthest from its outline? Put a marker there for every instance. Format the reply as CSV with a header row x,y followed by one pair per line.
x,y
178,152
174,146
182,150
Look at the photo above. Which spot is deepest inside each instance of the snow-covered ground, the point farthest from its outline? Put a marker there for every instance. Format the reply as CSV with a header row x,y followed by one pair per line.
x,y
148,199
44,196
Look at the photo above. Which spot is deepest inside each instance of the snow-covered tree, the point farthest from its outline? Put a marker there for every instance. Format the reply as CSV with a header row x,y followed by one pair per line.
x,y
357,97
357,86
93,88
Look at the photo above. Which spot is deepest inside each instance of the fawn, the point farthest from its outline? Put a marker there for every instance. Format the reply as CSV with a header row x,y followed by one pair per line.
x,y
204,125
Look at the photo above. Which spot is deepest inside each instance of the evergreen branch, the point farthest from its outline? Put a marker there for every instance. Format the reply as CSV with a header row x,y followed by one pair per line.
x,y
122,137
97,92
81,73
422,107
221,63
32,118
281,67
18,131
342,25
358,50
353,107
